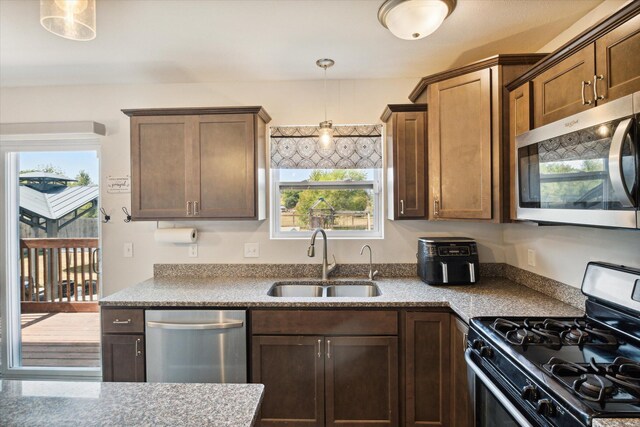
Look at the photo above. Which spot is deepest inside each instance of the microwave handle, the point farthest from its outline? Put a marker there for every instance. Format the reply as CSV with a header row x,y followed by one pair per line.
x,y
615,163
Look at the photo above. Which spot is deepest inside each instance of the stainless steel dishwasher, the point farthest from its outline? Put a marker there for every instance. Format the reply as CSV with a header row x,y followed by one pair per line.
x,y
203,346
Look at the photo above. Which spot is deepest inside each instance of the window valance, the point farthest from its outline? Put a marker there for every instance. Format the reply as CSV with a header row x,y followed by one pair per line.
x,y
353,147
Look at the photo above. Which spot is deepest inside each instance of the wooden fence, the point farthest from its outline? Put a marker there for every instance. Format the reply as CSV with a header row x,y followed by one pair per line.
x,y
59,275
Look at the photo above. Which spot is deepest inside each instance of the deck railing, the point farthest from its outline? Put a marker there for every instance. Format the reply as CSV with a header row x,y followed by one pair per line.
x,y
59,274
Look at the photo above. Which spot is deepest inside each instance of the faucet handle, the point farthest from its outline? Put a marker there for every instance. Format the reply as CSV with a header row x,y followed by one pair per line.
x,y
373,274
333,265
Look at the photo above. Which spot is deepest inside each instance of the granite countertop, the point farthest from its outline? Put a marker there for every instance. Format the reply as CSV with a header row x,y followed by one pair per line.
x,y
615,422
56,403
490,297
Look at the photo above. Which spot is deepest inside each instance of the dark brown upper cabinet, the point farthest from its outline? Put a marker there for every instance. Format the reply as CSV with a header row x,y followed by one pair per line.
x,y
198,163
406,134
468,138
597,66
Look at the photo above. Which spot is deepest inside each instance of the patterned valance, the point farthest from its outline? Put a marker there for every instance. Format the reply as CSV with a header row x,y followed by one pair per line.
x,y
353,147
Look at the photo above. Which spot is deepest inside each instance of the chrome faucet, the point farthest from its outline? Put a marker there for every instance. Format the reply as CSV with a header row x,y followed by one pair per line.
x,y
327,268
372,274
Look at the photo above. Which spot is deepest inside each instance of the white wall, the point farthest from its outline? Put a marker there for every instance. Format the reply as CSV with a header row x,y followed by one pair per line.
x,y
222,242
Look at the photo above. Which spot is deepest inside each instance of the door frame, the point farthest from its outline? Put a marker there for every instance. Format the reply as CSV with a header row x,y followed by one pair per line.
x,y
10,348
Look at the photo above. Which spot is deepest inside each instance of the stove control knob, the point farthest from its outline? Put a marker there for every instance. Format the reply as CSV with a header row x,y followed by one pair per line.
x,y
545,407
529,392
486,351
477,344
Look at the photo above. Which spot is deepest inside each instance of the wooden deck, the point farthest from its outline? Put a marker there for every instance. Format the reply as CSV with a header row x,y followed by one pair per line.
x,y
61,339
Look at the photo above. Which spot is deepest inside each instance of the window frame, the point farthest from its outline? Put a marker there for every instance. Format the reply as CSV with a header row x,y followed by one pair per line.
x,y
378,211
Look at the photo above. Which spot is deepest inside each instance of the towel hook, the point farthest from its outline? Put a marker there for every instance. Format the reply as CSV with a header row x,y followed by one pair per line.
x,y
107,217
127,214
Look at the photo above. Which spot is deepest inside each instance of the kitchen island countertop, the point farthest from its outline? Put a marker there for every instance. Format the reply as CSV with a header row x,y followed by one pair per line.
x,y
60,403
490,297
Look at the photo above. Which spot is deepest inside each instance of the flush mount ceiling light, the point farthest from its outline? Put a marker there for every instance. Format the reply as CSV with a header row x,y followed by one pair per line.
x,y
326,127
414,19
71,19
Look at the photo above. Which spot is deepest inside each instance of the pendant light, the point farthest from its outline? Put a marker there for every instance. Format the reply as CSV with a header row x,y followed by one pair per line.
x,y
71,19
414,19
326,127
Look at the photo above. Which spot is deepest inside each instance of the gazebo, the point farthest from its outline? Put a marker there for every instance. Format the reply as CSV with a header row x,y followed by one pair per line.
x,y
48,203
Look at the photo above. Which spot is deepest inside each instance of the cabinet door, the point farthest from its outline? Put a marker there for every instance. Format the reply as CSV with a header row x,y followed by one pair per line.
x,y
361,381
461,407
427,369
160,157
224,169
292,371
565,89
460,143
409,146
618,61
519,122
123,358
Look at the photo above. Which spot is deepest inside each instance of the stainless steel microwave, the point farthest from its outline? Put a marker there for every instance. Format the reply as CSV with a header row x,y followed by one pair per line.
x,y
584,169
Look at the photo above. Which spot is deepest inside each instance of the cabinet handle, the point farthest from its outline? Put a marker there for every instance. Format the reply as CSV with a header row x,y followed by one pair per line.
x,y
319,349
196,208
401,207
436,207
597,97
328,349
464,340
584,100
121,322
188,208
138,351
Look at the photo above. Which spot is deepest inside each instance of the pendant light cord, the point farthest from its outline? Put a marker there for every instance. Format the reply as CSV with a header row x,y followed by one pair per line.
x,y
325,93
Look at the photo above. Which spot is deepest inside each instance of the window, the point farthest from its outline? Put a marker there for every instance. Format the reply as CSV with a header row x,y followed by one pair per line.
x,y
336,187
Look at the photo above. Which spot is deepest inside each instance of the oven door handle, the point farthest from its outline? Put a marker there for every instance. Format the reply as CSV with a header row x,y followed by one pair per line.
x,y
510,407
615,163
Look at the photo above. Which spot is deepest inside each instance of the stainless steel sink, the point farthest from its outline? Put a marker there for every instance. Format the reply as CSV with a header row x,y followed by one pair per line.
x,y
318,289
350,291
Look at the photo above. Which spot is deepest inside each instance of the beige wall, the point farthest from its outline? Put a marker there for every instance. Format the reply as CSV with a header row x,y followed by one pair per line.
x,y
561,251
223,242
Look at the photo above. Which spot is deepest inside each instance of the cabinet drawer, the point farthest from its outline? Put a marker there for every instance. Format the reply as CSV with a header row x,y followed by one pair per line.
x,y
324,322
125,320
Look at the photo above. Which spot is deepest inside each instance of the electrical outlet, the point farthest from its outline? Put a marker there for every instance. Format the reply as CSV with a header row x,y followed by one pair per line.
x,y
531,257
251,250
193,250
127,250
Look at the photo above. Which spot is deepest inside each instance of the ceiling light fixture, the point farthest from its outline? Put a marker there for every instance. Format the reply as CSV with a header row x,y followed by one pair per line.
x,y
71,19
414,19
326,127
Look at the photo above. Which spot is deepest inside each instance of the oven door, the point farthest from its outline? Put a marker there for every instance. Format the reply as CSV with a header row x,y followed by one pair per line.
x,y
492,407
583,169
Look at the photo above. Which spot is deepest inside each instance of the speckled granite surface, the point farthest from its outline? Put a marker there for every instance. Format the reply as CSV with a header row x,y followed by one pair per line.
x,y
553,288
54,403
616,422
491,297
300,270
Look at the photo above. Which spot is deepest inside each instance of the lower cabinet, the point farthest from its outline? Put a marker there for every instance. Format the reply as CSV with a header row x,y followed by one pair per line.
x,y
427,369
123,358
326,367
461,406
123,351
326,380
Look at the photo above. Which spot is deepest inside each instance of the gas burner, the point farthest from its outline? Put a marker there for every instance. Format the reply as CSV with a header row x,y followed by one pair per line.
x,y
576,335
594,387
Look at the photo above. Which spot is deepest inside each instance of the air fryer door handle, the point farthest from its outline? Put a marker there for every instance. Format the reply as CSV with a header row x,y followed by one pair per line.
x,y
445,272
472,272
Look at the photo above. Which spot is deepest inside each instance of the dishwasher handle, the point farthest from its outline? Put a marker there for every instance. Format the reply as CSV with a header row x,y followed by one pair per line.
x,y
195,326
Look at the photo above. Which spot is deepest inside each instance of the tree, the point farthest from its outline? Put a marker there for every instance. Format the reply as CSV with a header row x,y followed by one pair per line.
x,y
340,200
83,179
48,168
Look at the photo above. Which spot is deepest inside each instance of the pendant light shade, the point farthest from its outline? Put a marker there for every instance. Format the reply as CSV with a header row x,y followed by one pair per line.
x,y
414,19
326,127
71,19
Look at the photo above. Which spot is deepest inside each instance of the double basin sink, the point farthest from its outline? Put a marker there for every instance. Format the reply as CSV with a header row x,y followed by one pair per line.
x,y
320,289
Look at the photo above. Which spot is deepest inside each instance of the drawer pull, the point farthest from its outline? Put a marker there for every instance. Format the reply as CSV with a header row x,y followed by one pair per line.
x,y
122,322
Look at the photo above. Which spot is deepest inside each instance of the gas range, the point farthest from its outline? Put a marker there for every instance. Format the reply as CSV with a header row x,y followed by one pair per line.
x,y
565,371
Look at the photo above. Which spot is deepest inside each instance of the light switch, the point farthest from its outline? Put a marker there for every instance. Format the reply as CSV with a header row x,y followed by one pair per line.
x,y
193,250
531,257
127,250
